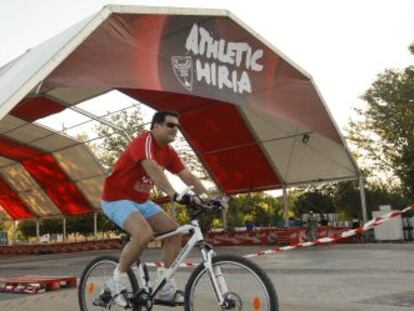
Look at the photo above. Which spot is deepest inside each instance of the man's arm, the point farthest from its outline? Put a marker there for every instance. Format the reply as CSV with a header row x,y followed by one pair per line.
x,y
190,180
155,172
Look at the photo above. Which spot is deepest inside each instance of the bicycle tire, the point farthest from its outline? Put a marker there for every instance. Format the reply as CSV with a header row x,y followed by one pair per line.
x,y
242,263
87,271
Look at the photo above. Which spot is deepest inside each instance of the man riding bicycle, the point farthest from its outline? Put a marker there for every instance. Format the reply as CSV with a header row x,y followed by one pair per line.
x,y
126,200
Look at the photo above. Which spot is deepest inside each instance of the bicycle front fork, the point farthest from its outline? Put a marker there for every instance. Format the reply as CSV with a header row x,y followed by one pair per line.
x,y
216,276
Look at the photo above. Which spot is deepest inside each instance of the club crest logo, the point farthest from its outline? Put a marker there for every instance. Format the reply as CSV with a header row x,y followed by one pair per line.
x,y
183,70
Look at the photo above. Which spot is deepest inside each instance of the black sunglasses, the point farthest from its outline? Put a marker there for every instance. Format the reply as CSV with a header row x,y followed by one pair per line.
x,y
172,125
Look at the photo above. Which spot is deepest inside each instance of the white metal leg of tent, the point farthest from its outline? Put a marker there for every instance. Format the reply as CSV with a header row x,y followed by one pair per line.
x,y
286,207
13,242
95,225
224,215
37,230
363,199
64,229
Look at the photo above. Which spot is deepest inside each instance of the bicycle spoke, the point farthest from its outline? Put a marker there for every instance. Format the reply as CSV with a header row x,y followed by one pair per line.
x,y
92,285
246,289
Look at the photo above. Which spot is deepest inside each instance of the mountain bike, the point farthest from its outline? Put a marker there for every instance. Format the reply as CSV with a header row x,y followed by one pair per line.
x,y
219,282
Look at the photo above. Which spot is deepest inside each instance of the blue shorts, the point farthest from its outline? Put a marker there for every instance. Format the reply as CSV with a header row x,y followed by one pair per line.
x,y
119,211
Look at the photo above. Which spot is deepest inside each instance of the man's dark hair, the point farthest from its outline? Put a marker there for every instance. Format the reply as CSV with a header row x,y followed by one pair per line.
x,y
159,116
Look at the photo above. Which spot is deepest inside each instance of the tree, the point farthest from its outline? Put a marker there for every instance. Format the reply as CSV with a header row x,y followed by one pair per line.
x,y
344,198
47,225
27,228
384,133
115,141
257,207
5,226
83,224
318,200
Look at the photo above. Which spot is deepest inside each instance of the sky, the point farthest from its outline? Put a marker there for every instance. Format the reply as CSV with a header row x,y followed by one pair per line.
x,y
343,45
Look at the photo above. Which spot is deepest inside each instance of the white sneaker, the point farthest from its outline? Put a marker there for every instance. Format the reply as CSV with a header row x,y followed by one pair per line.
x,y
118,289
169,292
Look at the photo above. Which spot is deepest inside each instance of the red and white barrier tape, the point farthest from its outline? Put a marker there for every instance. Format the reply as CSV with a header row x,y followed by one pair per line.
x,y
346,234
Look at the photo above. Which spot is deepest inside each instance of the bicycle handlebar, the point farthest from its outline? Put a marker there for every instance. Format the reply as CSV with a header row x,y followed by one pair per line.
x,y
184,192
212,205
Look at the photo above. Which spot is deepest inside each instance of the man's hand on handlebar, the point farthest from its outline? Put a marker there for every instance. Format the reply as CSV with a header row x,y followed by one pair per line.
x,y
184,199
188,198
203,199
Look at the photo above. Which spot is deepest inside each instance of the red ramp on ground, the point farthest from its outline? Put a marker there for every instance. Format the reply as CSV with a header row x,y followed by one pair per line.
x,y
35,284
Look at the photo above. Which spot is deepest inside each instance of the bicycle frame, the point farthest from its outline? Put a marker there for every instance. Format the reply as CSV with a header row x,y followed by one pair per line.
x,y
215,274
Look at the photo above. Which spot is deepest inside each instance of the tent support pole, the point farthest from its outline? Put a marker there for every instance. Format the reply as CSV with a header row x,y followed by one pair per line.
x,y
13,242
64,229
286,206
37,230
102,120
224,215
363,199
95,225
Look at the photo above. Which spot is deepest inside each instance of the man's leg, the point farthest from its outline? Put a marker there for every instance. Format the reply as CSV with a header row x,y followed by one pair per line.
x,y
162,222
141,233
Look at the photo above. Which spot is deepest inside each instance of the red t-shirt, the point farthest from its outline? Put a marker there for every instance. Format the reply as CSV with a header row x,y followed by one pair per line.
x,y
128,180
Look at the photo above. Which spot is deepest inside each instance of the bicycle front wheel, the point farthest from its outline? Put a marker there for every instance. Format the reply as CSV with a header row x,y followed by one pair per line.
x,y
92,283
244,284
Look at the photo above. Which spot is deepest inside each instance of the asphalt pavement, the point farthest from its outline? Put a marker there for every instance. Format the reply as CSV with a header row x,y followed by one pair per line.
x,y
342,277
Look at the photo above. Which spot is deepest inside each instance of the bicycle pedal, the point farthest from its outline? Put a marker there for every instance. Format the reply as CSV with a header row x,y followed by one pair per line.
x,y
167,303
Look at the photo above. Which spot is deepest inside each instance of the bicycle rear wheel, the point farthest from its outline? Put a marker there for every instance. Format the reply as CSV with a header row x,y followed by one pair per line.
x,y
93,279
248,287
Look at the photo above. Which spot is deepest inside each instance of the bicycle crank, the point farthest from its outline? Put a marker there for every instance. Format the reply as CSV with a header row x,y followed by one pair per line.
x,y
142,301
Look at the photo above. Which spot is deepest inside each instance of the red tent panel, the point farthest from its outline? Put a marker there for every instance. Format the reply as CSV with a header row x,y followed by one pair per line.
x,y
48,174
221,137
34,108
12,203
60,189
230,148
15,150
231,169
216,127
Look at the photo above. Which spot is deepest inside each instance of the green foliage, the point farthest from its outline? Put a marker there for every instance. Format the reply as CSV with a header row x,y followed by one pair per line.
x,y
51,225
114,142
384,134
5,226
27,228
257,207
344,198
318,200
178,211
83,224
